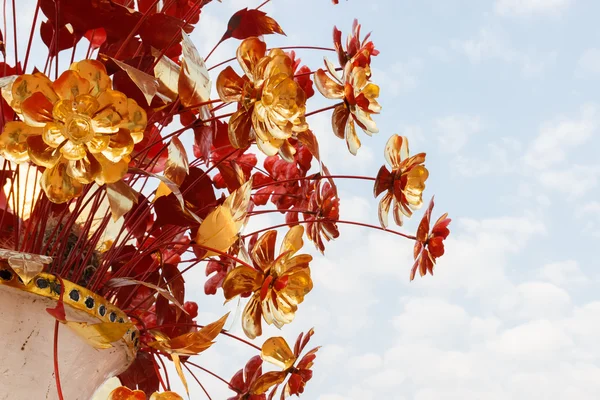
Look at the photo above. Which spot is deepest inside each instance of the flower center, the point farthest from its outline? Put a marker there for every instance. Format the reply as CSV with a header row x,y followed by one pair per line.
x,y
78,128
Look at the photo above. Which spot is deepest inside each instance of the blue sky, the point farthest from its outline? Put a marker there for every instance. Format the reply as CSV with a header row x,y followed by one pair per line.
x,y
503,95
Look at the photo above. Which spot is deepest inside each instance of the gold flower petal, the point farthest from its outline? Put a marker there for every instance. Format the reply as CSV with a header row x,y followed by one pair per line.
x,y
84,170
73,151
251,317
110,172
230,85
86,104
37,110
52,134
13,141
263,252
365,121
58,185
276,351
270,147
240,124
70,84
25,85
41,153
249,53
398,211
371,92
113,109
352,139
240,280
94,72
327,86
339,119
287,151
384,209
136,121
280,63
396,150
62,110
98,144
121,144
292,242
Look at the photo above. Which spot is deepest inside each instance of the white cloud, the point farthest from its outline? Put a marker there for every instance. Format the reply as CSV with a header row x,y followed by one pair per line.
x,y
365,361
573,181
493,45
559,135
563,273
487,45
455,131
536,300
400,77
589,63
530,7
499,159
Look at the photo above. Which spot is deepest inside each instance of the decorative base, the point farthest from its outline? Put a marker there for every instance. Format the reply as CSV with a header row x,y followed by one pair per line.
x,y
27,345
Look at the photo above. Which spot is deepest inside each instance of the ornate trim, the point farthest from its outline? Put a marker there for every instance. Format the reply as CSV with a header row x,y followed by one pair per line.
x,y
75,296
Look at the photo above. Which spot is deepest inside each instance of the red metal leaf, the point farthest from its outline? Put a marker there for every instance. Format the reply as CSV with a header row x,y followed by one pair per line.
x,y
247,23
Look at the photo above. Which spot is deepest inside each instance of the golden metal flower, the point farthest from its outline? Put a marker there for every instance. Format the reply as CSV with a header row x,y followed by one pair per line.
x,y
277,285
271,105
77,127
404,184
359,96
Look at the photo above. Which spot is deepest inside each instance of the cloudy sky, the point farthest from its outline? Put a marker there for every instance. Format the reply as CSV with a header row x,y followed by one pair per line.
x,y
503,95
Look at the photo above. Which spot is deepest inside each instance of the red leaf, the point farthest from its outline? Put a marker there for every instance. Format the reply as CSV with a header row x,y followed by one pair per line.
x,y
139,219
66,37
153,158
167,35
85,15
247,23
203,140
97,37
198,192
141,374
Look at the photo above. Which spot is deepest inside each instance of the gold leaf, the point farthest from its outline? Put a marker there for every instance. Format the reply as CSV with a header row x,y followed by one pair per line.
x,y
121,198
167,73
146,83
177,363
276,351
238,202
101,335
6,86
194,81
220,228
26,265
177,166
120,282
192,343
266,381
161,190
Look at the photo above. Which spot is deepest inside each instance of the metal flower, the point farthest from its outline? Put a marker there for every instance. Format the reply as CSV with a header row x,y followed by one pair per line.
x,y
271,104
359,99
277,284
404,184
276,351
77,127
353,45
324,211
429,246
